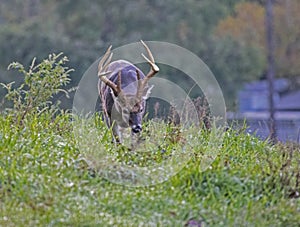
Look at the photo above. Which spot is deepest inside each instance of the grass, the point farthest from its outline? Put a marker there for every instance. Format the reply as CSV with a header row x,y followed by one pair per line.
x,y
48,178
59,170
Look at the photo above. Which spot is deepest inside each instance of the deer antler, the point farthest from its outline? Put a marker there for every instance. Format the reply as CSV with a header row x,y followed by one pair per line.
x,y
102,71
153,70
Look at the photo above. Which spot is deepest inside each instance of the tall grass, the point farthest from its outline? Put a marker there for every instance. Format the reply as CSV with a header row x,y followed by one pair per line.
x,y
52,175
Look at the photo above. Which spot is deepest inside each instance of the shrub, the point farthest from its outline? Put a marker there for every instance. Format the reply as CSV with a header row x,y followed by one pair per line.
x,y
41,82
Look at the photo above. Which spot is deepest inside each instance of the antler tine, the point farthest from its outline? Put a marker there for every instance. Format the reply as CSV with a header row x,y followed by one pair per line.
x,y
139,85
138,76
102,67
119,81
105,59
148,51
154,68
108,62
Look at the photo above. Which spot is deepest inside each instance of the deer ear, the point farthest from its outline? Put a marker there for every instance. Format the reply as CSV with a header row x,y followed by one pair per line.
x,y
147,92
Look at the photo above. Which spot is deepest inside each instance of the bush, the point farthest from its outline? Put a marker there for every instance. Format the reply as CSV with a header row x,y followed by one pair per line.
x,y
41,82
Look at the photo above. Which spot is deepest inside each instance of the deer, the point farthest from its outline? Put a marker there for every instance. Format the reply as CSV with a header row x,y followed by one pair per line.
x,y
123,89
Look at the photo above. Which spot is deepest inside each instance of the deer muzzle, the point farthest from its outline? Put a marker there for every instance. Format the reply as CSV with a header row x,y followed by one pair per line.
x,y
136,128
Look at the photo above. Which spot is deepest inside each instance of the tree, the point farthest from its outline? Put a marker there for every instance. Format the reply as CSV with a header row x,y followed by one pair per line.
x,y
84,29
247,27
233,64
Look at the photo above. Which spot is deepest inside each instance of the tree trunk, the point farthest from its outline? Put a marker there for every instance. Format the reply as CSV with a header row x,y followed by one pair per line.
x,y
271,66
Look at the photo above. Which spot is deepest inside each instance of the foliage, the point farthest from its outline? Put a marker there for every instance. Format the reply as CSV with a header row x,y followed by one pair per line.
x,y
234,64
41,83
247,27
84,29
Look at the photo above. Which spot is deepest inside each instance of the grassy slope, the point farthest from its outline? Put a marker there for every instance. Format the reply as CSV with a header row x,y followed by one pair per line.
x,y
44,180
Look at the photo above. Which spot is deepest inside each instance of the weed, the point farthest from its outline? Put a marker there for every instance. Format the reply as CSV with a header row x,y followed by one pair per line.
x,y
41,83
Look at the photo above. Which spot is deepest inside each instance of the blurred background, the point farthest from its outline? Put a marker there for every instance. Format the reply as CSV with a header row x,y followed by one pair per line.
x,y
229,36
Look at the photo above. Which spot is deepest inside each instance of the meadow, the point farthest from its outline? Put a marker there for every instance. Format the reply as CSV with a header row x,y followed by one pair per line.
x,y
49,178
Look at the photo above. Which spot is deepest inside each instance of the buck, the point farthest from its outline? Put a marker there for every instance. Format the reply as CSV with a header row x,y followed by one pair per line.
x,y
123,89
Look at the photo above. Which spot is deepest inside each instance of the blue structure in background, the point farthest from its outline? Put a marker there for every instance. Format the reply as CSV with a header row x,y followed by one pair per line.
x,y
254,96
253,107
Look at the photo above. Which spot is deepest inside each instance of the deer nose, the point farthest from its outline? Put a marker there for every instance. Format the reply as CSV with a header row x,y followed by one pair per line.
x,y
136,128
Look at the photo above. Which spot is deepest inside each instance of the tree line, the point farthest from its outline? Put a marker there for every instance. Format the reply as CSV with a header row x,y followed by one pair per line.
x,y
227,35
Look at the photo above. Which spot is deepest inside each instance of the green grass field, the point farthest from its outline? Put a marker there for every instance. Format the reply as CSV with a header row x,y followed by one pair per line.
x,y
46,180
59,170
